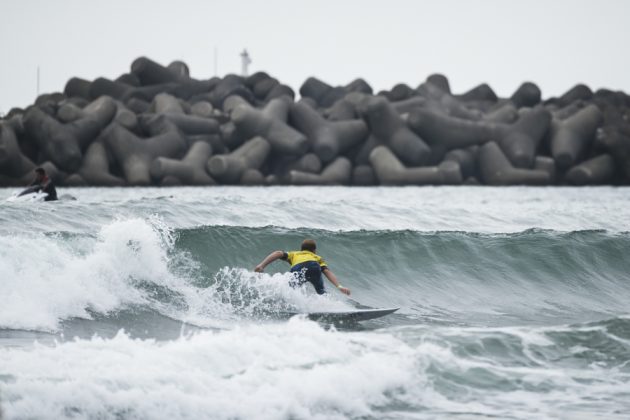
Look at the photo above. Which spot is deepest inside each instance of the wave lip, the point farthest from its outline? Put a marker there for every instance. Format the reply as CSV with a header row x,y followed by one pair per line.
x,y
70,276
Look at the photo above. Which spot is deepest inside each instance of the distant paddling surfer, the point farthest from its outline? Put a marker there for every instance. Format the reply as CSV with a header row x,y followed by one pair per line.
x,y
44,184
307,266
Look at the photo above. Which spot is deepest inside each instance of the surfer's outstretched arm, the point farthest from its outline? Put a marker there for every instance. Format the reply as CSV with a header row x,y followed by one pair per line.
x,y
333,279
276,255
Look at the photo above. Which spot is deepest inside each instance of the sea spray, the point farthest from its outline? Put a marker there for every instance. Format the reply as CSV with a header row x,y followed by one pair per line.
x,y
47,279
259,295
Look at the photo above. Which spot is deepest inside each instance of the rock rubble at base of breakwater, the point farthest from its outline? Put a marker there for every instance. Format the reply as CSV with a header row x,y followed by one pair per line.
x,y
156,125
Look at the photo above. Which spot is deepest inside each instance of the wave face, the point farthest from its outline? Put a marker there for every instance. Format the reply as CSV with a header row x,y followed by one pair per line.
x,y
503,313
205,273
532,276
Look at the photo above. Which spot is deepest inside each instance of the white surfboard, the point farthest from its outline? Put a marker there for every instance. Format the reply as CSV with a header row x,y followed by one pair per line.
x,y
29,197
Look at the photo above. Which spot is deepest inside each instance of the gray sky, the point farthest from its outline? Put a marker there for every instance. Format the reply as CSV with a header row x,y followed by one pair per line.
x,y
554,43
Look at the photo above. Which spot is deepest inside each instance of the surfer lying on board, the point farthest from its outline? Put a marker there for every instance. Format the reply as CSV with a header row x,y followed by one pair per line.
x,y
307,266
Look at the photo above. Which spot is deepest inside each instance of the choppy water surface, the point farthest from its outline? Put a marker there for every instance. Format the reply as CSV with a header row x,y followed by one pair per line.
x,y
142,303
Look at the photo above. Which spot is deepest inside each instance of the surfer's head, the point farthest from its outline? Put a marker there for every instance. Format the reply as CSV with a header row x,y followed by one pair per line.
x,y
40,174
309,245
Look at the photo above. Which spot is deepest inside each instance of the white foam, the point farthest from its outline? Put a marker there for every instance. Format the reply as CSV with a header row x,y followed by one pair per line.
x,y
47,279
289,370
297,369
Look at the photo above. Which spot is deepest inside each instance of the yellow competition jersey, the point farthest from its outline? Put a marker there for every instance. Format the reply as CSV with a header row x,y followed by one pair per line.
x,y
297,257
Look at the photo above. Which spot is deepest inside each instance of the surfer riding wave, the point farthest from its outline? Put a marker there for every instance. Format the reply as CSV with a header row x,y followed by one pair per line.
x,y
306,266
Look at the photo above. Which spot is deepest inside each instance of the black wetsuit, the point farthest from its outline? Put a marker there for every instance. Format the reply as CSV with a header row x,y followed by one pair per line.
x,y
306,266
48,188
311,272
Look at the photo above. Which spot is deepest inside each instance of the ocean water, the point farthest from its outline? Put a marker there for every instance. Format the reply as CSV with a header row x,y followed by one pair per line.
x,y
143,304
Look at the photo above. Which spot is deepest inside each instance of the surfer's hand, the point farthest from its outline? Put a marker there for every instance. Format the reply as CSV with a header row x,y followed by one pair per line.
x,y
259,268
344,290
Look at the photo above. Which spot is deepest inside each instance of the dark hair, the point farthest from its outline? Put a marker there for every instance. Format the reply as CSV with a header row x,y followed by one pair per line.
x,y
309,245
40,171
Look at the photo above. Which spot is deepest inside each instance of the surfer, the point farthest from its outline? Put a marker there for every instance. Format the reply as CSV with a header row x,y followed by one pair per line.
x,y
307,266
43,183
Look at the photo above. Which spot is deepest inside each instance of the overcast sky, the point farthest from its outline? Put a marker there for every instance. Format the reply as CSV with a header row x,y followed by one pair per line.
x,y
554,43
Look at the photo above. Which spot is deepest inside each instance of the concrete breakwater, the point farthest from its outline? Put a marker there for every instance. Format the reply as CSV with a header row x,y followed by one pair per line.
x,y
156,125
